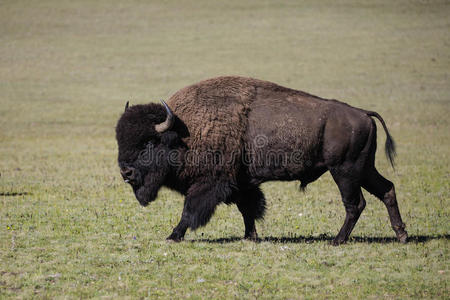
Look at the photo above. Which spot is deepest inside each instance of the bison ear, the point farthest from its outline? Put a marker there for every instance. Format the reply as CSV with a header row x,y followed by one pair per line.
x,y
169,138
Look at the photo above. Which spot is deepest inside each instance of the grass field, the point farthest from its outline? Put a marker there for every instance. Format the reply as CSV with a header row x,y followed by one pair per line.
x,y
70,227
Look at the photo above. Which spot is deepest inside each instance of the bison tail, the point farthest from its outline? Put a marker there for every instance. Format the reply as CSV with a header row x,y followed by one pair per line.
x,y
389,146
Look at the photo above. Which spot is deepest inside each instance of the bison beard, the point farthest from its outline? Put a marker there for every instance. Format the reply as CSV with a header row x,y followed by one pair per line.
x,y
247,118
147,192
156,168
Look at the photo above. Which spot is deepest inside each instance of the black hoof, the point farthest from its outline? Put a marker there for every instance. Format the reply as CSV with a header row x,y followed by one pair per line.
x,y
337,242
253,236
174,238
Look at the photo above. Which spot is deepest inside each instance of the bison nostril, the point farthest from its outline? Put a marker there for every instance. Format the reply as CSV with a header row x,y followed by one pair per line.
x,y
127,173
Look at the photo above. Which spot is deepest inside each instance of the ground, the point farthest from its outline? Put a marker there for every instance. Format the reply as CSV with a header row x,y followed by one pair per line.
x,y
70,227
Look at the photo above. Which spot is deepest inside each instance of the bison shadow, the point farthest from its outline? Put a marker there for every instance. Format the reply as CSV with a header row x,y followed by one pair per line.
x,y
12,194
327,238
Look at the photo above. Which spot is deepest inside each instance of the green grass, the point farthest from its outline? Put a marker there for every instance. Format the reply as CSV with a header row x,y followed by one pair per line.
x,y
74,228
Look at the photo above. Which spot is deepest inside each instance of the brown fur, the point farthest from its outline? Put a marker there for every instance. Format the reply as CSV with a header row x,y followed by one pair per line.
x,y
215,112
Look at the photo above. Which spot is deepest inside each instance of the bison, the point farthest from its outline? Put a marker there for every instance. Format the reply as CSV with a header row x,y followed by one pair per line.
x,y
217,140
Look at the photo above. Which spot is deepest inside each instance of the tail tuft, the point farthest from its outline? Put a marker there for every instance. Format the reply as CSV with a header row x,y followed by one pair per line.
x,y
389,149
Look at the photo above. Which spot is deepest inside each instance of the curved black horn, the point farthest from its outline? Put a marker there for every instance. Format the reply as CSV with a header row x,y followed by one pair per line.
x,y
168,122
126,105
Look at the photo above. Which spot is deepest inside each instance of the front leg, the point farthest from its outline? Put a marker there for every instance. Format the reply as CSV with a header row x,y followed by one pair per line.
x,y
199,205
179,231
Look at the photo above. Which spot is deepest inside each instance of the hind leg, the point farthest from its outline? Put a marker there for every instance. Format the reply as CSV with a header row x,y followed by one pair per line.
x,y
384,190
353,200
252,204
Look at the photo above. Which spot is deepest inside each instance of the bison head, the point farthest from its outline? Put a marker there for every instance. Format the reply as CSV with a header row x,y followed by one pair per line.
x,y
145,142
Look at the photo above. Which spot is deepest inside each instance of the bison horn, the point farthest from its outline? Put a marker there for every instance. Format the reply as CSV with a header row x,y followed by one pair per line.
x,y
164,126
126,105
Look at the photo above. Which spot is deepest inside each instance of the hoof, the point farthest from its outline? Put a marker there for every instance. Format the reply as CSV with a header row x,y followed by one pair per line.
x,y
251,237
337,242
403,237
174,239
401,233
